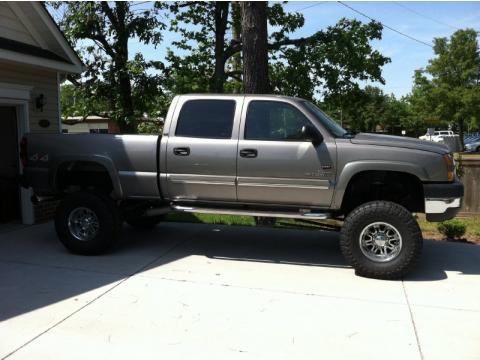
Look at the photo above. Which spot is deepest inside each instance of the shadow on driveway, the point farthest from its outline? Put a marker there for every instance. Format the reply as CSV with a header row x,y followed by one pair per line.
x,y
36,271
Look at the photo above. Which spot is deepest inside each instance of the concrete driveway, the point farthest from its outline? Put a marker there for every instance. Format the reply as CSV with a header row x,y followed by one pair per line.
x,y
186,291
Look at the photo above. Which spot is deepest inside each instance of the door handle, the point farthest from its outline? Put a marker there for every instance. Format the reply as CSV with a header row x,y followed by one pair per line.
x,y
248,153
181,151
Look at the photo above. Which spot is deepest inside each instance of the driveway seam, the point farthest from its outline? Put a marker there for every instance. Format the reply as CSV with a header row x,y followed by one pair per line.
x,y
413,321
280,291
172,248
60,267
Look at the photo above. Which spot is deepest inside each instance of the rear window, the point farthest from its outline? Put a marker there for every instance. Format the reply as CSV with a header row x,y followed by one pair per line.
x,y
206,119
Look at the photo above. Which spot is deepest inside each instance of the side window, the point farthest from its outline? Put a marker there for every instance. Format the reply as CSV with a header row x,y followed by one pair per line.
x,y
274,120
206,119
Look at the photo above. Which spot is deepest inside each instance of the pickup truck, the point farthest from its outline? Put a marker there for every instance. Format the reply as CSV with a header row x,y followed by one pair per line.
x,y
260,155
437,136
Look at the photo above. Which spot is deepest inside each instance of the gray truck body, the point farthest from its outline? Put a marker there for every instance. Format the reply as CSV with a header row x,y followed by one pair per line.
x,y
231,172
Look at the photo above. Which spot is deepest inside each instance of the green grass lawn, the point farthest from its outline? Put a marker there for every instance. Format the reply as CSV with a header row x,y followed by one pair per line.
x,y
472,233
429,230
211,219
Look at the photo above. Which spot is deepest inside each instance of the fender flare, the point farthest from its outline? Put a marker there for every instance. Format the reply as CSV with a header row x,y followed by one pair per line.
x,y
353,168
104,161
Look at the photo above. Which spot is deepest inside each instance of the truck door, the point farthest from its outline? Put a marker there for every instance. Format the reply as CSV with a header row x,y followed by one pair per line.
x,y
202,148
277,164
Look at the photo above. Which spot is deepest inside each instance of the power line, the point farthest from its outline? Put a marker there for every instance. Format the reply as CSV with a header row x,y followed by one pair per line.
x,y
386,26
310,6
425,16
136,3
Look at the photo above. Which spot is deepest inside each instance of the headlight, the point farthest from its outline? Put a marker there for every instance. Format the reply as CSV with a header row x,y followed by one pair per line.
x,y
450,162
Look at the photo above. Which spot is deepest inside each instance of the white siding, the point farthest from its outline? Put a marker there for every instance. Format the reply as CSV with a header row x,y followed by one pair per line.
x,y
42,29
12,28
43,82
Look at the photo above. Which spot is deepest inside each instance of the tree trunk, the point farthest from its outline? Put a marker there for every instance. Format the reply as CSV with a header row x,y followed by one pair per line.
x,y
126,121
254,47
461,130
236,37
221,17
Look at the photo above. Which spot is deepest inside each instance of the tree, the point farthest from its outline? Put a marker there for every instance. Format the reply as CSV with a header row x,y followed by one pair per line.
x,y
107,28
204,68
370,108
255,47
449,87
76,102
329,61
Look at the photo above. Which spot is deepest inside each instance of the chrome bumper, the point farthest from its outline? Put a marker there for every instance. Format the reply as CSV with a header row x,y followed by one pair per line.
x,y
442,200
439,206
442,209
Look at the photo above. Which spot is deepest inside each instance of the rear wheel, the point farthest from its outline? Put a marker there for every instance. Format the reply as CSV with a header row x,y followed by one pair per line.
x,y
381,239
87,223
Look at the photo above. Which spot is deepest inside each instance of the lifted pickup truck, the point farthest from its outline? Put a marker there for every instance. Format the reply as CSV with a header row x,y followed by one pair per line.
x,y
265,156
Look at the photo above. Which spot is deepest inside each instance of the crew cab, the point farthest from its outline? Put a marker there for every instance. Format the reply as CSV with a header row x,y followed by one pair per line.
x,y
259,155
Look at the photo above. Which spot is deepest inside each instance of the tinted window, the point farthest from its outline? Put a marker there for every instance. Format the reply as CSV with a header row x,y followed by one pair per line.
x,y
206,119
331,125
274,120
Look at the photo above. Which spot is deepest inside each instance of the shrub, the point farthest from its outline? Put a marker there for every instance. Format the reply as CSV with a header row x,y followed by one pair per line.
x,y
452,229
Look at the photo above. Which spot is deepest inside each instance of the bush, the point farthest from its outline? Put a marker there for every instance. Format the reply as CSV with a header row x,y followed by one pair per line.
x,y
452,229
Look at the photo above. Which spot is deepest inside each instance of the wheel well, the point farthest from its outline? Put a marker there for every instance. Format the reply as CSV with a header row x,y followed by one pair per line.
x,y
398,187
78,175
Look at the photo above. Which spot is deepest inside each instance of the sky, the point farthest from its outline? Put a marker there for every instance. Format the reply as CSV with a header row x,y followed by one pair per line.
x,y
423,21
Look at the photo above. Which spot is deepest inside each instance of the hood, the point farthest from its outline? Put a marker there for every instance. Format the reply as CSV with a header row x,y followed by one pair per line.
x,y
399,141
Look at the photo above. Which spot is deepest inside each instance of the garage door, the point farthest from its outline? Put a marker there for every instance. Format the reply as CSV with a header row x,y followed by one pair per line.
x,y
9,189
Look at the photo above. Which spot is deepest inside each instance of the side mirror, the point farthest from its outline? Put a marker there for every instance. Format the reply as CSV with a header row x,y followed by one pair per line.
x,y
311,134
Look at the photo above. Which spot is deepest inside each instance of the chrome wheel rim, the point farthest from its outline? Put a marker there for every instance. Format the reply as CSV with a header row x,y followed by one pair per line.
x,y
380,242
83,224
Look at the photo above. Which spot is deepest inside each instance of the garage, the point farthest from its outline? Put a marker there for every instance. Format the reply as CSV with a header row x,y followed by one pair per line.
x,y
35,58
9,191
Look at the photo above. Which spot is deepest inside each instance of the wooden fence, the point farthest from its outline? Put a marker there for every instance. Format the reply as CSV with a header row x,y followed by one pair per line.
x,y
471,181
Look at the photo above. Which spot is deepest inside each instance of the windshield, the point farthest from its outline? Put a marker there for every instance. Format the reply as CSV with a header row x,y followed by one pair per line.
x,y
331,125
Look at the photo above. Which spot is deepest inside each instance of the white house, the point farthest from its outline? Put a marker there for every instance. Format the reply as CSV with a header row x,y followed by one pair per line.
x,y
34,57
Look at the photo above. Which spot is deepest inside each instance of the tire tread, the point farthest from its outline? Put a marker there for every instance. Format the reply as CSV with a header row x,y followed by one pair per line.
x,y
362,268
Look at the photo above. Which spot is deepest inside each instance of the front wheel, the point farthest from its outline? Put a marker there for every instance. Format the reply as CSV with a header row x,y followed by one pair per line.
x,y
87,223
381,240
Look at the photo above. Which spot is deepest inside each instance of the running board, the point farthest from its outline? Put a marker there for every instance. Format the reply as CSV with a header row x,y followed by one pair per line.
x,y
276,214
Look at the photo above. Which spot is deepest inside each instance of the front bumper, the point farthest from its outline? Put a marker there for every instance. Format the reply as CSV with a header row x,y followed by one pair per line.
x,y
442,201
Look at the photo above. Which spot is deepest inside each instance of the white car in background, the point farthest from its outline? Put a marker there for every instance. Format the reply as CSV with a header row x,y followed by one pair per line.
x,y
437,136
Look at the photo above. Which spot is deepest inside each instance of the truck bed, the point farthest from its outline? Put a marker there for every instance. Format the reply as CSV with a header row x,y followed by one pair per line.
x,y
132,159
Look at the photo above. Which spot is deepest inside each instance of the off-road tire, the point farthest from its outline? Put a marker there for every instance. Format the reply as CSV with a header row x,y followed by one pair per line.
x,y
144,222
108,220
391,213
